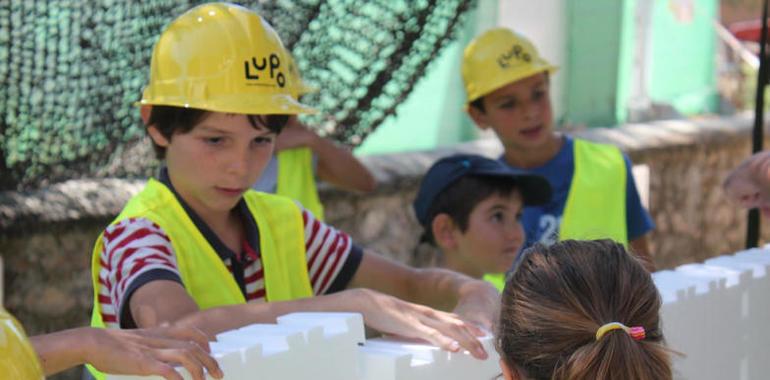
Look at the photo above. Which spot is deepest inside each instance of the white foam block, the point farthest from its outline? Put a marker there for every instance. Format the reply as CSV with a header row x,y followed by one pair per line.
x,y
715,314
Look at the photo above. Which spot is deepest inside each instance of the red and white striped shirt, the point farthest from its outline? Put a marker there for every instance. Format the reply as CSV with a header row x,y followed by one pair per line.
x,y
136,251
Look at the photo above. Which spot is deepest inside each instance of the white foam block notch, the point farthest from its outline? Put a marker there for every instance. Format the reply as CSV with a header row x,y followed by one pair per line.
x,y
392,359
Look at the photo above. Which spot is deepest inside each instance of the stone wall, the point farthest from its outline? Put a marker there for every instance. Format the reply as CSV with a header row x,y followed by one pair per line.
x,y
46,235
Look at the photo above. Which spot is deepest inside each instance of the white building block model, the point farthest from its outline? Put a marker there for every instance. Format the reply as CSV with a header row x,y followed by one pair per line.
x,y
333,346
716,314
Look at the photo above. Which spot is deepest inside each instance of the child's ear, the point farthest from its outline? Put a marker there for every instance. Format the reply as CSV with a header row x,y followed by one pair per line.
x,y
479,117
157,137
443,228
144,112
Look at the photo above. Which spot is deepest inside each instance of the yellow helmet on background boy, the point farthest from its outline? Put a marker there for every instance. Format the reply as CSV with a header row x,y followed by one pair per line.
x,y
225,58
496,58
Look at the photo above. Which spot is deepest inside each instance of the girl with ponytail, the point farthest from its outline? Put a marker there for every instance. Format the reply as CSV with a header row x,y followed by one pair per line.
x,y
581,310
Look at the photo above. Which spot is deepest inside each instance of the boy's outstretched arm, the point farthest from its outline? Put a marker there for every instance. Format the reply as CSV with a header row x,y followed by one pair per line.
x,y
159,302
474,300
134,352
336,164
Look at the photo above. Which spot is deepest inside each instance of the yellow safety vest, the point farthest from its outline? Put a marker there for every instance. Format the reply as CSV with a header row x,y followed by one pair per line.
x,y
596,203
281,240
297,181
18,360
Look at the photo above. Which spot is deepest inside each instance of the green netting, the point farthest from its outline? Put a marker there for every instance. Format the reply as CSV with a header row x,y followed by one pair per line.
x,y
71,70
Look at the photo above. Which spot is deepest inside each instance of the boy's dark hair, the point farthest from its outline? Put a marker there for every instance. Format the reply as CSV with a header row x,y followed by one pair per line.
x,y
170,120
459,199
479,104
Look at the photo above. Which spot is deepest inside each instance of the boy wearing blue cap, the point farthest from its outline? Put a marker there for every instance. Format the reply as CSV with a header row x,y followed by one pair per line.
x,y
470,207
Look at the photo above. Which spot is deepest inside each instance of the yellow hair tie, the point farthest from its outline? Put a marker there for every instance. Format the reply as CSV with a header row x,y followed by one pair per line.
x,y
636,332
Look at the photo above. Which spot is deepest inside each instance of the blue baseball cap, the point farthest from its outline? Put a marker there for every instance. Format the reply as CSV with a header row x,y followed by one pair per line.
x,y
535,190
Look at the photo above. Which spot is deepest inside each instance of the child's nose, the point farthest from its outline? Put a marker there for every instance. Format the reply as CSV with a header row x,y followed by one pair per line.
x,y
515,232
239,163
530,110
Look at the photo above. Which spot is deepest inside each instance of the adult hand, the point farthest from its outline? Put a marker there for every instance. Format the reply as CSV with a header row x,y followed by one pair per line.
x,y
748,184
294,135
391,315
151,352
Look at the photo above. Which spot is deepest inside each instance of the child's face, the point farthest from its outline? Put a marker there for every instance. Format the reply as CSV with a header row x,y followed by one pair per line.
x,y
519,113
494,235
217,161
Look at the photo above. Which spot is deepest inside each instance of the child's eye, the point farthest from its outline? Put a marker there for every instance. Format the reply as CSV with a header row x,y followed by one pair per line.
x,y
263,140
538,95
213,140
498,217
508,104
519,215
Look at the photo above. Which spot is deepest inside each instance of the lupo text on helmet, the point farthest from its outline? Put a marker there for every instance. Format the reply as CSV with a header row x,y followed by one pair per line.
x,y
256,68
516,52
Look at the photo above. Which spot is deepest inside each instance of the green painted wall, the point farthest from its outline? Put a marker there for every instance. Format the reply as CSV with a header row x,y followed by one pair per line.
x,y
683,62
604,44
431,116
599,58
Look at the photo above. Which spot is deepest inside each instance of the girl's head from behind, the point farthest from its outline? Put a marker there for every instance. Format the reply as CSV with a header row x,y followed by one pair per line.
x,y
559,296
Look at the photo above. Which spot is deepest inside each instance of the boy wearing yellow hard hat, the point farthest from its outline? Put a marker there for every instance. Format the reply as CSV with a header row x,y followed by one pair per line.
x,y
198,247
594,195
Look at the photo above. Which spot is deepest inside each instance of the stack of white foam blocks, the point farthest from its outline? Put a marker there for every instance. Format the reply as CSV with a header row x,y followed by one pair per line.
x,y
332,346
717,314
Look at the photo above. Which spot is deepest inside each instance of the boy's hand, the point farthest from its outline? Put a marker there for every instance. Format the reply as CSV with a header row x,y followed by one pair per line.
x,y
479,303
151,352
748,184
391,315
294,135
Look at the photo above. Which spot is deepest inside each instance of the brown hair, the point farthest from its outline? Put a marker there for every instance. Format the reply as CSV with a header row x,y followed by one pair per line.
x,y
556,299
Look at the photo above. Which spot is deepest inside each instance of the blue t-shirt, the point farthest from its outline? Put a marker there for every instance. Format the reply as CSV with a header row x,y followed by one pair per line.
x,y
541,223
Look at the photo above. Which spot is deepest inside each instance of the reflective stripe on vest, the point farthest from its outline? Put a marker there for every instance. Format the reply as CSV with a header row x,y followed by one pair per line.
x,y
296,179
281,241
596,204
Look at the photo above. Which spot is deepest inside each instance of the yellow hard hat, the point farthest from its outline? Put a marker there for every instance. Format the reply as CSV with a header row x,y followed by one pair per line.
x,y
18,359
221,57
496,58
297,85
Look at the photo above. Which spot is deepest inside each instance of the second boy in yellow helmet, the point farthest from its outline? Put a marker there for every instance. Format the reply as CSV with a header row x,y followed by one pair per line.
x,y
594,195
